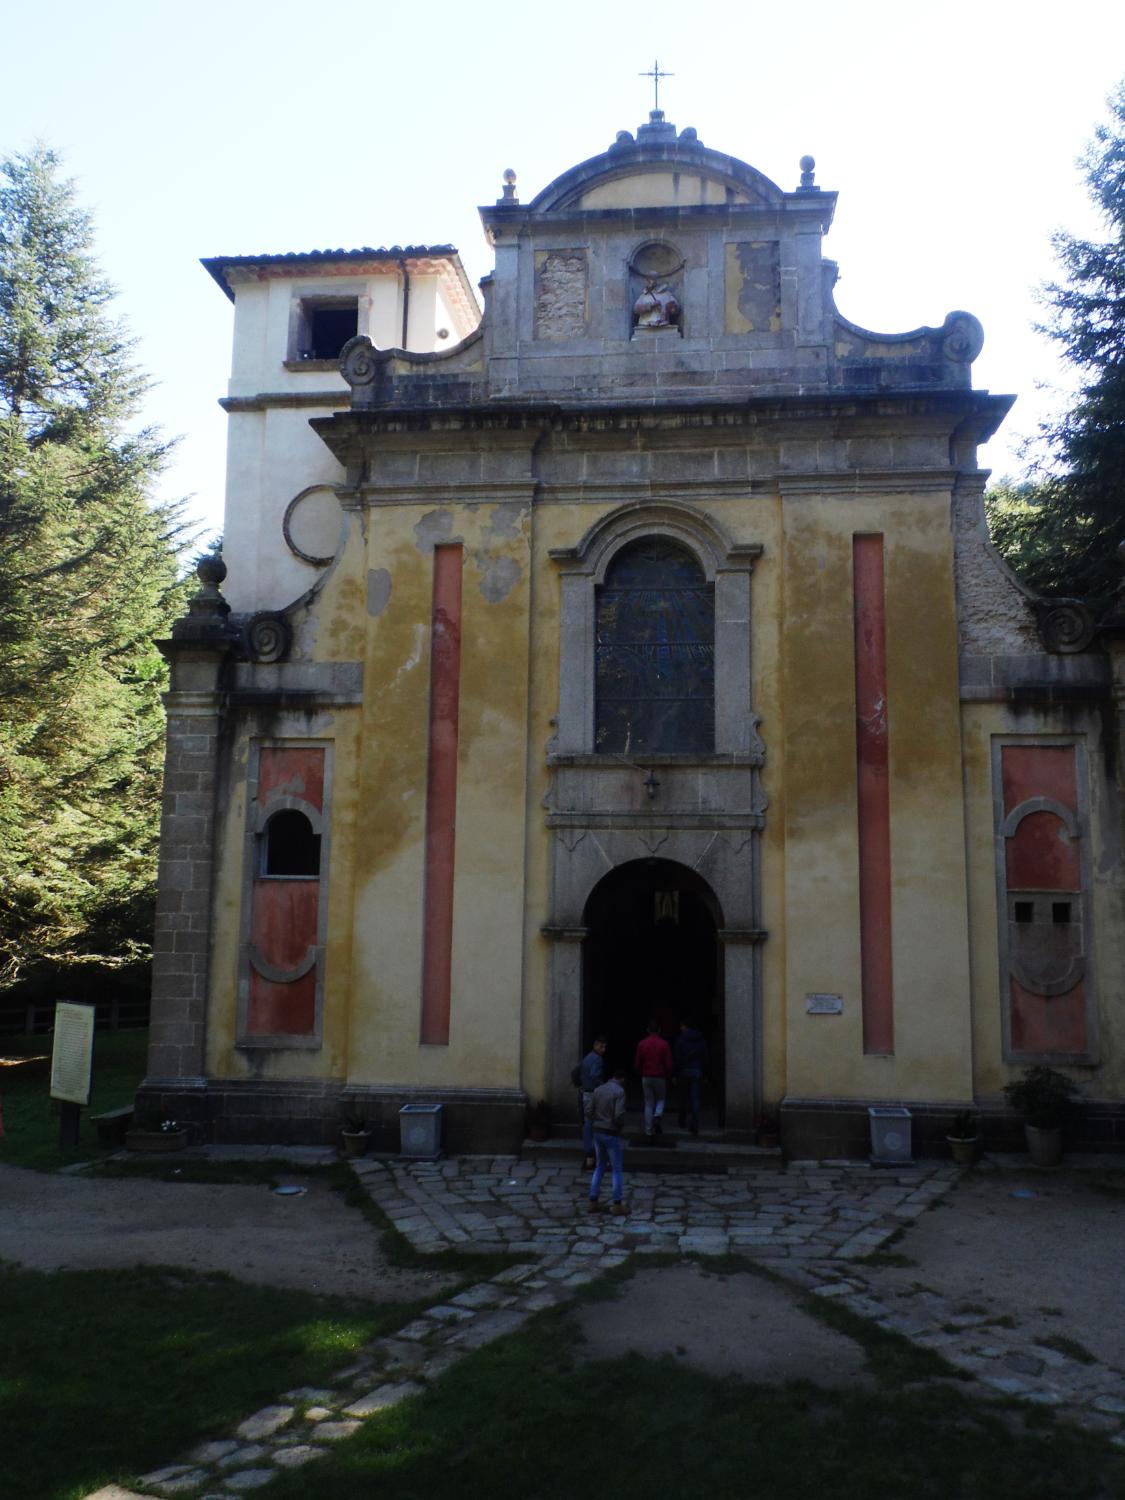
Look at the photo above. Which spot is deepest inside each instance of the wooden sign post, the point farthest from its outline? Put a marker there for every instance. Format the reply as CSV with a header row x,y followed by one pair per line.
x,y
72,1064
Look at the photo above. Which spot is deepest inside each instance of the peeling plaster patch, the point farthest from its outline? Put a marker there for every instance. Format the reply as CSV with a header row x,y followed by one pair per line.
x,y
435,527
504,523
378,591
498,576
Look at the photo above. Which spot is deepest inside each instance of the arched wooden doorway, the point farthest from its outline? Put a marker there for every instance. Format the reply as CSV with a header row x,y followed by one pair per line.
x,y
652,950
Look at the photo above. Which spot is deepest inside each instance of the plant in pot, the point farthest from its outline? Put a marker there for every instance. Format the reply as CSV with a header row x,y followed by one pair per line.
x,y
355,1135
963,1137
1045,1098
539,1121
768,1129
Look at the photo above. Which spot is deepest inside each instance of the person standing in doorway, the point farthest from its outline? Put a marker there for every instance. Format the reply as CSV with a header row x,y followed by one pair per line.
x,y
690,1058
653,1061
607,1116
590,1073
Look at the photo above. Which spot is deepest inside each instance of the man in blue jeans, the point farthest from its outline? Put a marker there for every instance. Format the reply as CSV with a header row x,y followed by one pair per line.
x,y
590,1075
606,1113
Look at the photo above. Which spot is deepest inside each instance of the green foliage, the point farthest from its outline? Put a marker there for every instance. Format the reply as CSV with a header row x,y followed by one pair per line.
x,y
1062,532
1044,1096
88,578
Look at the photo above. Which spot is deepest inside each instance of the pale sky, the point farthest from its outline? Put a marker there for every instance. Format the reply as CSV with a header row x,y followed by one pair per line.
x,y
951,133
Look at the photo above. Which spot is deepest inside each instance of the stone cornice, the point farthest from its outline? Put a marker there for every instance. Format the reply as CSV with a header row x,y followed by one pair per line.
x,y
265,400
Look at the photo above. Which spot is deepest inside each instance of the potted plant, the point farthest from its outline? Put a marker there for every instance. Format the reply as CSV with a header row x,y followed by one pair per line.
x,y
963,1137
167,1135
1045,1098
768,1130
355,1135
539,1121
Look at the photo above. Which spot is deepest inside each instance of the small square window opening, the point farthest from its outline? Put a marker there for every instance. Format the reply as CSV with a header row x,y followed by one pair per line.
x,y
325,325
1025,911
1060,913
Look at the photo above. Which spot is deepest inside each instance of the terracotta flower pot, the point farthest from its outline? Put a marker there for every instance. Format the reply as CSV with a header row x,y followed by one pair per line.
x,y
355,1142
964,1149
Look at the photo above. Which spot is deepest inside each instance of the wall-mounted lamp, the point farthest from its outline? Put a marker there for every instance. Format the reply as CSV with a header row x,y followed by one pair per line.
x,y
651,785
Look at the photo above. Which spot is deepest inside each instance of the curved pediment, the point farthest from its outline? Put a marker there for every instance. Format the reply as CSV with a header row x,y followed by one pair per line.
x,y
657,169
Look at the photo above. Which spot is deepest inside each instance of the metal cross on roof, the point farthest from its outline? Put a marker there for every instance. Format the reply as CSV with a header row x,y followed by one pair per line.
x,y
656,75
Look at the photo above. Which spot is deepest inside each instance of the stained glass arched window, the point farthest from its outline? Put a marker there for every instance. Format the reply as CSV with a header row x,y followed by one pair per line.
x,y
655,666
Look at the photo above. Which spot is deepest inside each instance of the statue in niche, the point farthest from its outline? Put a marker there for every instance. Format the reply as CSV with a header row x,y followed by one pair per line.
x,y
658,306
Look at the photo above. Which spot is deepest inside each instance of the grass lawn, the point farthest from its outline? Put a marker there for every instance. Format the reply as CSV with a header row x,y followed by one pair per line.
x,y
31,1121
525,1417
104,1374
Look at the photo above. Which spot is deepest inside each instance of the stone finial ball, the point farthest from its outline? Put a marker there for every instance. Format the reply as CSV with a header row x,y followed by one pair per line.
x,y
509,174
211,569
807,163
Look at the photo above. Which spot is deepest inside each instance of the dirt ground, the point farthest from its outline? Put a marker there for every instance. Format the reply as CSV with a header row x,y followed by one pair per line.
x,y
740,1325
1045,1248
312,1241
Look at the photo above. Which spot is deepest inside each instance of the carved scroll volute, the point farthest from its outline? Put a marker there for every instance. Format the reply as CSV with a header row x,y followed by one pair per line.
x,y
359,360
1065,625
962,337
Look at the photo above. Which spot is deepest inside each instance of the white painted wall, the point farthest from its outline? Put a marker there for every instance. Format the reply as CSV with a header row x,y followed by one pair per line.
x,y
273,454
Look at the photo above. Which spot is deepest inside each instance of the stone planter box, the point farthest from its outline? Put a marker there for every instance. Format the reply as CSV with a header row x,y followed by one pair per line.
x,y
155,1140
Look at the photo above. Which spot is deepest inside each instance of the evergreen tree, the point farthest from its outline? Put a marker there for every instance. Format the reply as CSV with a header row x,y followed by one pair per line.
x,y
88,579
1062,531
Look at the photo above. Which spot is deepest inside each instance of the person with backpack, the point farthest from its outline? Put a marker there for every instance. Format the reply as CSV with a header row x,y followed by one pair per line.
x,y
586,1076
690,1057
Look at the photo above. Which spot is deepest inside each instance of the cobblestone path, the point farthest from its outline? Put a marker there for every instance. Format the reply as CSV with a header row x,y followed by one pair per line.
x,y
813,1225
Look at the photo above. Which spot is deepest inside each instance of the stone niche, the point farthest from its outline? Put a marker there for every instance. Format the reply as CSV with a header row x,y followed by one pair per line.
x,y
656,289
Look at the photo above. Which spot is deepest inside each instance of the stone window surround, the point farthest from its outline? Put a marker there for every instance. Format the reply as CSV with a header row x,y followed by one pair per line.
x,y
258,815
726,566
1078,830
346,293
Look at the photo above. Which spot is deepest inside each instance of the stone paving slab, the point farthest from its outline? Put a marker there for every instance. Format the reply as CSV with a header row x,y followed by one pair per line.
x,y
816,1228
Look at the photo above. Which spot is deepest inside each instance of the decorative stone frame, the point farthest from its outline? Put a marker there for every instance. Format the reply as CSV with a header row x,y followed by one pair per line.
x,y
707,817
258,815
726,566
1077,829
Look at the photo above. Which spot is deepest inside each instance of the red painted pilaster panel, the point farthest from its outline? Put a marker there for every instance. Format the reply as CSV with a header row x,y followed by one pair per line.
x,y
873,794
284,913
1041,863
441,795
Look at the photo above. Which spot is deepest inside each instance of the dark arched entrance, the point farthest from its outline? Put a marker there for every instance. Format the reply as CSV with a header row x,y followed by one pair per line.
x,y
652,949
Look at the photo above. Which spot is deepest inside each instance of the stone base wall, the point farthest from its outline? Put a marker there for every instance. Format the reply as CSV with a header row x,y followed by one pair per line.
x,y
824,1129
232,1112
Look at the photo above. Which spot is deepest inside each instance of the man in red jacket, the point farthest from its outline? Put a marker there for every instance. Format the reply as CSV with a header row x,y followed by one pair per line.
x,y
653,1061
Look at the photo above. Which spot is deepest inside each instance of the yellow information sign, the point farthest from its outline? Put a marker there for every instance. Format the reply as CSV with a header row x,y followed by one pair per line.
x,y
72,1057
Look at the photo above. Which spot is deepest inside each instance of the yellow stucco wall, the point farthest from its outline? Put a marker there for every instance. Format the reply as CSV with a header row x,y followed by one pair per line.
x,y
659,190
932,1057
942,854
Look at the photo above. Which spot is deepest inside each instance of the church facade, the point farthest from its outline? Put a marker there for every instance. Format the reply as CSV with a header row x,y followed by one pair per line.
x,y
634,649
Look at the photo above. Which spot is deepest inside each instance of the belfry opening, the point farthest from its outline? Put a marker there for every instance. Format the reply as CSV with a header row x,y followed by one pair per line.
x,y
652,952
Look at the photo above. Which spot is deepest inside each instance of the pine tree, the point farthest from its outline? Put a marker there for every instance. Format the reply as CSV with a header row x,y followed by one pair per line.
x,y
88,578
1063,530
